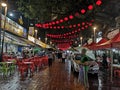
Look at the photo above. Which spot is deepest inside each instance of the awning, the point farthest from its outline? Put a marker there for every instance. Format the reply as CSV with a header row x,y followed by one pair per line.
x,y
113,43
103,40
13,39
90,46
28,42
116,41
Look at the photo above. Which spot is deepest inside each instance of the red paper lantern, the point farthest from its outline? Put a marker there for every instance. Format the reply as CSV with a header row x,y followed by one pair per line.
x,y
78,24
71,17
46,25
38,25
50,23
82,28
61,20
66,19
43,25
57,22
90,24
86,26
99,2
50,27
53,23
90,7
83,11
62,27
70,26
83,23
76,31
74,25
73,32
79,29
55,27
58,27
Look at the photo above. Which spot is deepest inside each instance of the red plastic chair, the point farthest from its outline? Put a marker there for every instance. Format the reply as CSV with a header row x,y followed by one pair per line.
x,y
45,60
22,68
37,63
117,73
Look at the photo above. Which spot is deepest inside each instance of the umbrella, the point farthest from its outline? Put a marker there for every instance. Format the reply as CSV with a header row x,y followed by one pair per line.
x,y
90,55
37,50
80,48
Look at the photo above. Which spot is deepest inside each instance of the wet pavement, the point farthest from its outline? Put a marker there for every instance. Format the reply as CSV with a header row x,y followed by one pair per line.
x,y
58,77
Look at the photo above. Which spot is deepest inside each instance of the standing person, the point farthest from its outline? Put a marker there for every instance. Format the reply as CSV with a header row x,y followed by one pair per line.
x,y
59,56
53,54
104,62
63,57
50,58
83,73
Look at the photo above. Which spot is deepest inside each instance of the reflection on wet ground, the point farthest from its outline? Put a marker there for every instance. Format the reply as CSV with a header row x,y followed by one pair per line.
x,y
58,77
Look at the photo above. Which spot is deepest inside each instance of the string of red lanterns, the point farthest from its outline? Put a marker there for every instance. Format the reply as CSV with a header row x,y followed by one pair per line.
x,y
65,35
63,46
61,41
70,17
70,26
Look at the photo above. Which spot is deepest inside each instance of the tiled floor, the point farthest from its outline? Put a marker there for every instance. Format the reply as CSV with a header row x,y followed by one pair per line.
x,y
57,77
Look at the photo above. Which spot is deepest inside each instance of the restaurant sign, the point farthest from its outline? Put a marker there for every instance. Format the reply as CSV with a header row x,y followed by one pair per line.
x,y
13,27
36,41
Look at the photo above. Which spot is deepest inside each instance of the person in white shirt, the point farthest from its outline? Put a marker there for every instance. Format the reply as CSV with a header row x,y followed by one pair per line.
x,y
63,57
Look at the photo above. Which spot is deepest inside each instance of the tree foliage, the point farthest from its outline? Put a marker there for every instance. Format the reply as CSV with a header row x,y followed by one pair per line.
x,y
43,10
47,10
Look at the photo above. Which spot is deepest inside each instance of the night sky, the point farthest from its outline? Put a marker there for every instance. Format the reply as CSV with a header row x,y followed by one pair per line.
x,y
12,4
12,8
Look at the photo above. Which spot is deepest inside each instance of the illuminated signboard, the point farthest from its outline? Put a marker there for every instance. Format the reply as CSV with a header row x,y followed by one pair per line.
x,y
41,43
13,27
31,31
38,42
30,38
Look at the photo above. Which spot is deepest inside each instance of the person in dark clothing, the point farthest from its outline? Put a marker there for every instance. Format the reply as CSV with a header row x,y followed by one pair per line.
x,y
50,59
59,56
104,62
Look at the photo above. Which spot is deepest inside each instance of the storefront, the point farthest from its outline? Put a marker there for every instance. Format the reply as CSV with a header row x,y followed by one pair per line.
x,y
15,37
